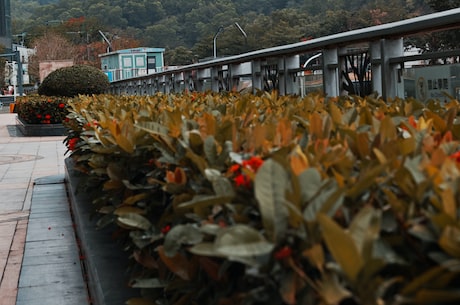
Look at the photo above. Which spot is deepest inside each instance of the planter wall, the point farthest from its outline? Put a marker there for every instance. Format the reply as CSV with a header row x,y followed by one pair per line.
x,y
42,130
105,262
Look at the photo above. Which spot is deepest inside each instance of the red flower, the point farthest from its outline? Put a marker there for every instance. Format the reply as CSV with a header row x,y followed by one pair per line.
x,y
456,156
284,252
61,105
166,229
72,143
39,116
47,116
254,163
242,180
235,168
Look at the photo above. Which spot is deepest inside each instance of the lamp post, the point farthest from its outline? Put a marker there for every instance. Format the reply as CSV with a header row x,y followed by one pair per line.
x,y
220,30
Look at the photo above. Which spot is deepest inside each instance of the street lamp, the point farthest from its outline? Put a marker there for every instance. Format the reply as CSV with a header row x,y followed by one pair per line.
x,y
220,30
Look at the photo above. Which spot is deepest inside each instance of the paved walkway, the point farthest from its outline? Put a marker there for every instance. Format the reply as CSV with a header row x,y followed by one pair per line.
x,y
39,261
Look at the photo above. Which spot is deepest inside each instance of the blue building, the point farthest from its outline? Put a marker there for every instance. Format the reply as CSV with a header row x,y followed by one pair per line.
x,y
127,63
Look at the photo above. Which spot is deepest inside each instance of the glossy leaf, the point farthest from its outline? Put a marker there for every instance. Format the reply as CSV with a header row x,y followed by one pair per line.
x,y
178,264
181,234
235,241
342,247
147,283
202,201
449,241
269,187
134,221
330,289
365,229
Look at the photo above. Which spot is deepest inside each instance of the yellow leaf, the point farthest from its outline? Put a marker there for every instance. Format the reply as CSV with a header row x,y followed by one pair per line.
x,y
407,146
178,264
123,210
424,124
450,241
380,156
316,125
448,203
336,114
387,130
298,160
112,185
315,255
342,247
140,301
362,142
133,199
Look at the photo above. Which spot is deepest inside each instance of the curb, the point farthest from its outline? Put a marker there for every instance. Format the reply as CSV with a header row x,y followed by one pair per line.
x,y
105,262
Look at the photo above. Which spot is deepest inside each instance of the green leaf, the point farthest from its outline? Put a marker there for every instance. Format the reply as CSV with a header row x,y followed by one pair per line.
x,y
220,184
202,201
181,234
342,247
147,283
238,241
413,166
134,221
242,240
153,128
270,186
328,198
310,183
210,150
365,228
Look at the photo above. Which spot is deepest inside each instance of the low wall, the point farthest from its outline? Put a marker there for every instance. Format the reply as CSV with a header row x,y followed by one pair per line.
x,y
106,263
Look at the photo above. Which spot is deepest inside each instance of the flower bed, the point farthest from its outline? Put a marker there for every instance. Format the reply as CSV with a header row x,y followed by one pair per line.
x,y
41,115
242,199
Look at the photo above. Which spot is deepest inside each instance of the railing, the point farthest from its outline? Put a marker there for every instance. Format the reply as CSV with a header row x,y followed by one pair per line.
x,y
356,61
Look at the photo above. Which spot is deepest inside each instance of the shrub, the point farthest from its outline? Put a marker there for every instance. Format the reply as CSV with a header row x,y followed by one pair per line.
x,y
74,80
241,199
35,109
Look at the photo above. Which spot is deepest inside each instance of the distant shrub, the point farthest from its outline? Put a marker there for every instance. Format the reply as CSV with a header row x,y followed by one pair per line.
x,y
74,80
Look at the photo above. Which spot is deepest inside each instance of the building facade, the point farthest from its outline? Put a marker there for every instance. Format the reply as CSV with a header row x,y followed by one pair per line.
x,y
128,63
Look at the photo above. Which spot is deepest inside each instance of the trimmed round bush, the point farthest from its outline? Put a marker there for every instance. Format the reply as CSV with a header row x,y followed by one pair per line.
x,y
74,80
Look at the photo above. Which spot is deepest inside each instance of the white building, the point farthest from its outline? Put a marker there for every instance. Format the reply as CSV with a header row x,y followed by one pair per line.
x,y
11,67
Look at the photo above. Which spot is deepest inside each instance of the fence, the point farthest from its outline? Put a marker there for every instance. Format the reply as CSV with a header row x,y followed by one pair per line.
x,y
358,61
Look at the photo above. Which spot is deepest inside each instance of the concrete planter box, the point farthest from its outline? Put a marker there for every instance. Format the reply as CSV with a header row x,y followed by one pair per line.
x,y
40,130
104,260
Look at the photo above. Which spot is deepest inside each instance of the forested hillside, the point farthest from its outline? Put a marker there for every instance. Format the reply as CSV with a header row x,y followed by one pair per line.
x,y
186,28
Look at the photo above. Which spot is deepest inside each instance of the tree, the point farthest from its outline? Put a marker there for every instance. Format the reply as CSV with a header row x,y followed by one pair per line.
x,y
445,40
50,46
